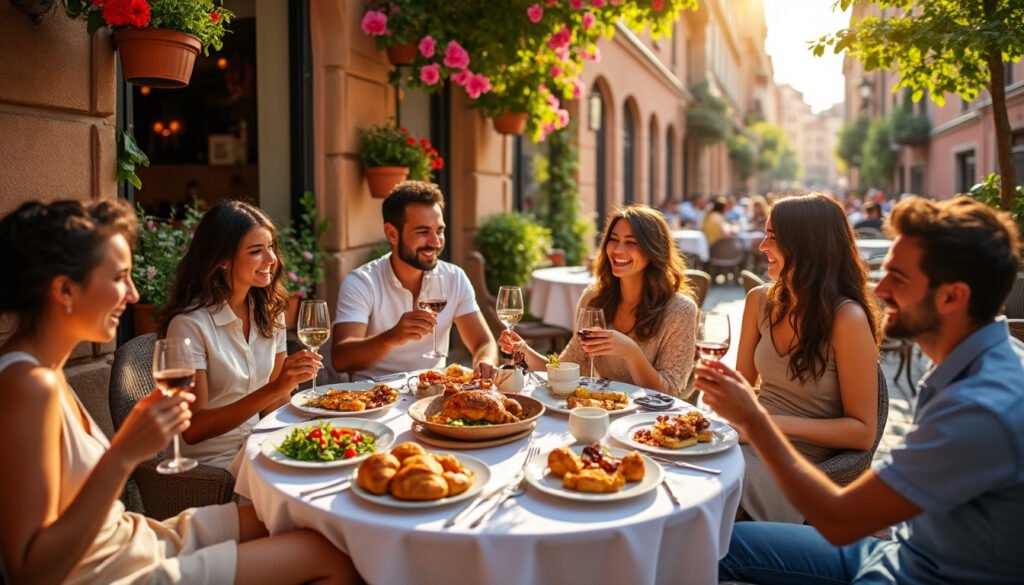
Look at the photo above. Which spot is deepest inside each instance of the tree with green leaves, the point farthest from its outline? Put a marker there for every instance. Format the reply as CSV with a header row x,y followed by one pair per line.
x,y
878,159
850,146
943,46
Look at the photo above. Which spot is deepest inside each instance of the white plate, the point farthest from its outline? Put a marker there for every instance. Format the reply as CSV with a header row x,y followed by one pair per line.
x,y
622,430
559,404
479,468
299,399
537,475
383,437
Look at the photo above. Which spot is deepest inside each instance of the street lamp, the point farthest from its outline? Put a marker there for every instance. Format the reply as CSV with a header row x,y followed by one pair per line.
x,y
865,92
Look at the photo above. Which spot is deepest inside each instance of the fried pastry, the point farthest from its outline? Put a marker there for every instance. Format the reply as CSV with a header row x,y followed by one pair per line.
x,y
417,483
407,449
594,480
376,472
632,467
562,460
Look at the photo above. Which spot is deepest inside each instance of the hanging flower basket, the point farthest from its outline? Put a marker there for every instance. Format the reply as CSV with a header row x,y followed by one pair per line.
x,y
402,54
383,179
157,57
510,123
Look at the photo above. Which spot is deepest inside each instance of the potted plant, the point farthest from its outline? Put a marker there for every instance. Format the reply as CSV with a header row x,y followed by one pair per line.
x,y
303,256
391,155
395,24
158,40
513,245
159,247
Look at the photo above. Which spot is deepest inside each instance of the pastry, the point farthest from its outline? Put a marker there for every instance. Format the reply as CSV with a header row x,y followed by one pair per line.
x,y
407,449
376,473
418,483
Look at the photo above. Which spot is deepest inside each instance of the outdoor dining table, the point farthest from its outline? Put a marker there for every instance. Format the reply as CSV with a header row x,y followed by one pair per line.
x,y
692,242
536,538
871,247
555,292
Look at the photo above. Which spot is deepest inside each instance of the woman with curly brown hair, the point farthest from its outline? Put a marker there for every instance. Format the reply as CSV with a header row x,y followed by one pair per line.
x,y
67,280
809,343
229,301
648,304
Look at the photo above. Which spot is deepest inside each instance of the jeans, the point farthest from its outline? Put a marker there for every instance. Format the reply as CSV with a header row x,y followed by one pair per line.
x,y
784,554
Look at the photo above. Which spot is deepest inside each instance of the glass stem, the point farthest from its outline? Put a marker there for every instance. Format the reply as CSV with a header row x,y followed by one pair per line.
x,y
315,350
177,451
435,342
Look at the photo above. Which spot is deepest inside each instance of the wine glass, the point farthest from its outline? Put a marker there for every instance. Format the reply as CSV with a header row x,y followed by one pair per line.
x,y
588,321
313,327
713,336
433,299
174,371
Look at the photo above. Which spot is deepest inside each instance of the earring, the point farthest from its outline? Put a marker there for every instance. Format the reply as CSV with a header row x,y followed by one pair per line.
x,y
69,308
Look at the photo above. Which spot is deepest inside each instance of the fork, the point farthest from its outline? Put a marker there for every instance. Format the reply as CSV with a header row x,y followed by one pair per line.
x,y
512,489
684,464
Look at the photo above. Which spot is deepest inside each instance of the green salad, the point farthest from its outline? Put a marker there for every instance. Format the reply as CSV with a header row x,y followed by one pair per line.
x,y
465,422
326,443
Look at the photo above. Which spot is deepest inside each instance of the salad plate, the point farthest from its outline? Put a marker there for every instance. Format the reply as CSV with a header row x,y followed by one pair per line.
x,y
382,435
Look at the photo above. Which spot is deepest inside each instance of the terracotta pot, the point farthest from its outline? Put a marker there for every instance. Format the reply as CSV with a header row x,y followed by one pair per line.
x,y
157,57
143,315
291,313
510,122
402,54
383,179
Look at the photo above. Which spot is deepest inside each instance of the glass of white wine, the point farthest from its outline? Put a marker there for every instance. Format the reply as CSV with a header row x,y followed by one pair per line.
x,y
510,306
433,299
313,326
174,371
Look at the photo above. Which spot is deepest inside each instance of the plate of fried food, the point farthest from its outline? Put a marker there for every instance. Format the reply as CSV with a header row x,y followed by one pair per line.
x,y
434,382
411,477
617,398
327,443
348,399
594,473
476,415
688,433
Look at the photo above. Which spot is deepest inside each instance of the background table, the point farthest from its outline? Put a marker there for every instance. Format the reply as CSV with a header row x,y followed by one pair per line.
x,y
535,539
555,292
692,242
871,247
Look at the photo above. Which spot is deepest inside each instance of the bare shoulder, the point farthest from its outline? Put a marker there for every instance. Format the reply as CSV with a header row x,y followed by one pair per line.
x,y
29,390
850,315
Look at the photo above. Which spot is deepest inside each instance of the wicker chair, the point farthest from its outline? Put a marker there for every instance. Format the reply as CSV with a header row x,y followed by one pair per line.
x,y
727,256
162,495
531,331
701,282
1016,328
1015,300
749,280
846,466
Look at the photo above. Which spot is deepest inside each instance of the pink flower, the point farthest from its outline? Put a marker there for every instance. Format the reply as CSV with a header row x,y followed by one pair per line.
x,y
563,118
455,56
594,55
477,85
556,71
588,21
462,77
375,23
562,53
577,89
430,74
560,39
576,4
301,294
427,45
150,272
151,225
308,256
293,276
550,3
535,12
553,101
302,279
597,3
657,4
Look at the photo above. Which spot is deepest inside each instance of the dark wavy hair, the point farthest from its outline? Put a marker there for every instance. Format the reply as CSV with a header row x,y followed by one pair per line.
x,y
963,241
200,282
44,240
664,276
821,266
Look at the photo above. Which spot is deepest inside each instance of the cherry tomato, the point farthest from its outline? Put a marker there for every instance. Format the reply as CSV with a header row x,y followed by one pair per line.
x,y
336,433
323,443
345,431
357,438
316,434
350,453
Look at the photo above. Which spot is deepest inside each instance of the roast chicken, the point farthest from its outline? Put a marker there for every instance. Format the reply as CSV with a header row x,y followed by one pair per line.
x,y
482,405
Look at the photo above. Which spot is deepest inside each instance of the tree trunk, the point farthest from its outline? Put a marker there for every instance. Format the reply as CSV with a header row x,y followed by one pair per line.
x,y
1004,147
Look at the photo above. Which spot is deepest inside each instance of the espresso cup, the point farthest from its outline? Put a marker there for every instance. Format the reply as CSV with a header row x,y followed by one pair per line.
x,y
588,424
564,378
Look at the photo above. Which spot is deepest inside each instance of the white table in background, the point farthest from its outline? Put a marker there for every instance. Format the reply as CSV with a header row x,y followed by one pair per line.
x,y
536,539
692,242
555,292
871,247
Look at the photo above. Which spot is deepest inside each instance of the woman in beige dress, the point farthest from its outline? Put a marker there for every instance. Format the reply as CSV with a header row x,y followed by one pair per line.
x,y
648,305
809,344
67,280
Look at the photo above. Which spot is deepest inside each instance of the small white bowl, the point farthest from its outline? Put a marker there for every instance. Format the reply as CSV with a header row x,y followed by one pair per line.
x,y
564,379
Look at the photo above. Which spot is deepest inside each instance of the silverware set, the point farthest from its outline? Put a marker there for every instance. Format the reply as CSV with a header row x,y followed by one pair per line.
x,y
493,499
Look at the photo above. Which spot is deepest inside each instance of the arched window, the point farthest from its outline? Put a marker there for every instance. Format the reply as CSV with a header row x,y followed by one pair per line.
x,y
628,155
597,109
670,160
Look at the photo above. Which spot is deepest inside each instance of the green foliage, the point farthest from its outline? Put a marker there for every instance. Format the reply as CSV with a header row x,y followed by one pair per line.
x,y
743,152
378,250
387,145
558,207
878,158
128,156
158,249
850,147
707,120
301,249
763,147
988,192
908,127
204,19
513,246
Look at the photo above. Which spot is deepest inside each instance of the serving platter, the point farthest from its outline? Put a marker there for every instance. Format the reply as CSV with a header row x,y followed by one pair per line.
x,y
559,404
537,476
382,434
299,399
429,437
421,411
622,430
481,471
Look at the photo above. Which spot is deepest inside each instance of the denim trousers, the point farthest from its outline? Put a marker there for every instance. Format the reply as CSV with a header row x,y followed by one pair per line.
x,y
771,553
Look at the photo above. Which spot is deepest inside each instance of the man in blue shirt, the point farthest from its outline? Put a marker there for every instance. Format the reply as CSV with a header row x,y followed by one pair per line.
x,y
956,483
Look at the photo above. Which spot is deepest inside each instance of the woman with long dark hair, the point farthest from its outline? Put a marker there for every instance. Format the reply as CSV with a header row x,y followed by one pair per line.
x,y
67,280
648,303
229,301
809,343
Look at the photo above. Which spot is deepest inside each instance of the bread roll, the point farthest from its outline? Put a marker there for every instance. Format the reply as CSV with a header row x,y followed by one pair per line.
x,y
562,460
418,483
425,461
632,467
376,472
407,449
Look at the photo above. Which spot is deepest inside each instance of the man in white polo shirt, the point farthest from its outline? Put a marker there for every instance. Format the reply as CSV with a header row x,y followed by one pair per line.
x,y
378,329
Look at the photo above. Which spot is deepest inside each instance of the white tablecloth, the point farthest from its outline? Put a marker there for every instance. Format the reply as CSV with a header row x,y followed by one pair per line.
x,y
871,247
692,242
534,539
555,292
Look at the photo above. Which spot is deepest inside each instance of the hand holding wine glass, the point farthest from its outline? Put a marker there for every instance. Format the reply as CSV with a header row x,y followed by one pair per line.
x,y
510,306
313,326
433,299
588,321
174,371
713,336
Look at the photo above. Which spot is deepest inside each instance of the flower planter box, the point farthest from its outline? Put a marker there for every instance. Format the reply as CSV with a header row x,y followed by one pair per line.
x,y
402,54
383,179
157,57
510,123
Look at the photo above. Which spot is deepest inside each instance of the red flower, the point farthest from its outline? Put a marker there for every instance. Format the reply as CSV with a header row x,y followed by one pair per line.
x,y
437,163
410,141
215,17
424,143
404,130
134,13
433,152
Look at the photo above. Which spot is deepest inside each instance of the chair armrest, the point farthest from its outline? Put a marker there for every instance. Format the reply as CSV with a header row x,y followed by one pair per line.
x,y
164,496
846,466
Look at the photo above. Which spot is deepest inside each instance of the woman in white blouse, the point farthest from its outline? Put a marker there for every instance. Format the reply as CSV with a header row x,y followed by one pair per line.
x,y
229,300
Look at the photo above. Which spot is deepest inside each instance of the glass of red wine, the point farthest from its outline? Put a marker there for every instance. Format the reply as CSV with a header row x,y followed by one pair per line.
x,y
713,336
589,320
433,299
173,371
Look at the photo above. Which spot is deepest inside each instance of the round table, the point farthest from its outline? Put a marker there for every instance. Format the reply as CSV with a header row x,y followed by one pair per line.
x,y
555,292
533,539
692,242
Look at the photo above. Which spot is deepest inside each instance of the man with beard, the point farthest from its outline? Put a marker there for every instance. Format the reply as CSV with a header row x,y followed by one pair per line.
x,y
378,327
954,487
